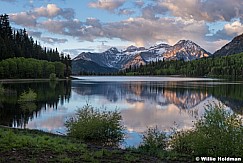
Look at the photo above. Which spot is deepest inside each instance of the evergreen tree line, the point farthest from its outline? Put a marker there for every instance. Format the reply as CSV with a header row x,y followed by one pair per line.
x,y
17,43
221,67
30,68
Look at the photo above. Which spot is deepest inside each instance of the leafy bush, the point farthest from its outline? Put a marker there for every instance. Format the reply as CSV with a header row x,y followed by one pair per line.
x,y
28,106
28,96
27,101
154,141
218,133
95,126
53,77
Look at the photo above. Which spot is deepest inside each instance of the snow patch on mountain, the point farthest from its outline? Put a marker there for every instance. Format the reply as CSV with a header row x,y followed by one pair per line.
x,y
136,56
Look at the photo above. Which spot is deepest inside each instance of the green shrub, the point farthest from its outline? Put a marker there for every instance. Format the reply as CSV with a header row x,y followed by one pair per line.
x,y
27,101
154,141
28,96
53,77
218,133
95,126
28,106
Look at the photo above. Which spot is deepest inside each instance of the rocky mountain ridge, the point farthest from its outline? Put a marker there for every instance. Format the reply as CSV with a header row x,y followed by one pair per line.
x,y
233,47
185,50
135,56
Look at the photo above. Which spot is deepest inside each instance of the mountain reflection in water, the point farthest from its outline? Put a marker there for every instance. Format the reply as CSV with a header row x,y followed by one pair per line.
x,y
148,104
143,104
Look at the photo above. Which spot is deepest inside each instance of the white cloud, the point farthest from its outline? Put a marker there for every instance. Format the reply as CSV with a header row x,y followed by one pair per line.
x,y
234,28
52,41
93,22
148,32
23,18
141,31
75,28
45,39
109,5
139,3
229,31
207,10
126,11
30,18
51,10
160,21
66,27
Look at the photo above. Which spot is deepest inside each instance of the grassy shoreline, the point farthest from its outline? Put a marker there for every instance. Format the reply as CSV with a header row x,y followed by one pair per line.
x,y
25,145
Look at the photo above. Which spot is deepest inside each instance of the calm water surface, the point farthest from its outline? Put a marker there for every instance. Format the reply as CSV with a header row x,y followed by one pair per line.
x,y
144,102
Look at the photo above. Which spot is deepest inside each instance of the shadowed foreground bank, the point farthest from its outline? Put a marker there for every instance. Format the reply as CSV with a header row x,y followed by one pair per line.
x,y
17,145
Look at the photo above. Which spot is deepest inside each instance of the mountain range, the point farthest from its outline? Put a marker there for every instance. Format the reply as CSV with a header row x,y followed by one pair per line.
x,y
113,60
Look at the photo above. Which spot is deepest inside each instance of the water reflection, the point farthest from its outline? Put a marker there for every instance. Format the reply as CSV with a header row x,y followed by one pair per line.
x,y
162,104
51,121
13,113
148,104
143,104
143,92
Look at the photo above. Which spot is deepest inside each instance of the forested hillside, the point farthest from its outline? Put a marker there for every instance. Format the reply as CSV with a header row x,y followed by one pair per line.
x,y
222,67
17,43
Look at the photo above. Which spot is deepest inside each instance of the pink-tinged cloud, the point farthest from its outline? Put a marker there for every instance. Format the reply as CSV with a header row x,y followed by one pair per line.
x,y
24,19
30,18
109,5
126,11
207,10
51,10
234,28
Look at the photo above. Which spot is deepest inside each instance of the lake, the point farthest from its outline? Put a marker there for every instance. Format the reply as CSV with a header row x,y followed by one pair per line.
x,y
165,102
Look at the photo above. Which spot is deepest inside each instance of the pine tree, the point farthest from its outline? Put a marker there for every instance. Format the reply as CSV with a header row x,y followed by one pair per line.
x,y
19,44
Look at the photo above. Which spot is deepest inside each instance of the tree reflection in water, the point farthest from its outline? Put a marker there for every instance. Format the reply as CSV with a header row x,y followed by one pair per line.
x,y
17,114
142,103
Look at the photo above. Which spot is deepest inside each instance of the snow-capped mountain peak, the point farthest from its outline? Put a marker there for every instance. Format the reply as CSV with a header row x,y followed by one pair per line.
x,y
158,46
185,42
136,56
131,48
188,44
185,50
112,50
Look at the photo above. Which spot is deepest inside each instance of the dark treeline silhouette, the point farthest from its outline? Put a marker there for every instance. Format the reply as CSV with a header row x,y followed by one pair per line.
x,y
17,43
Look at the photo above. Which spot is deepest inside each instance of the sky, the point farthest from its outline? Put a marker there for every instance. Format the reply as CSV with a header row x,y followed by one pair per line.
x,y
75,26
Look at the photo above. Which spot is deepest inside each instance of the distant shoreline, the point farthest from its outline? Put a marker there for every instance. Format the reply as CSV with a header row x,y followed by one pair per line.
x,y
29,80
